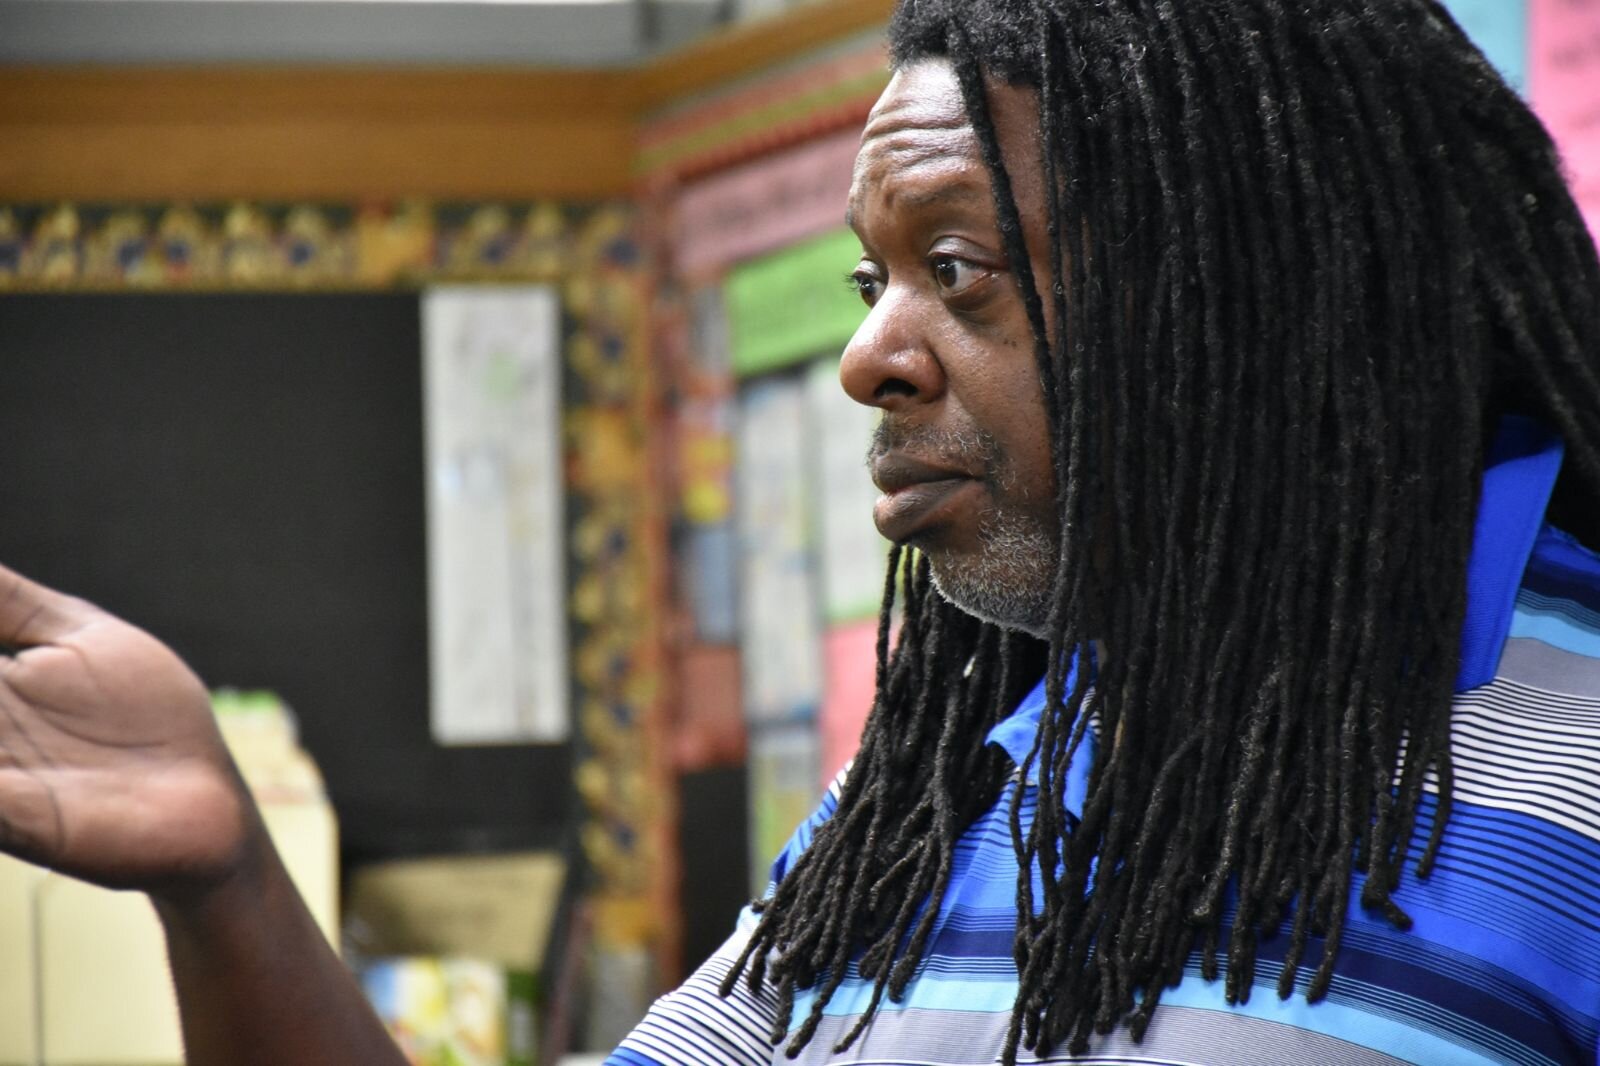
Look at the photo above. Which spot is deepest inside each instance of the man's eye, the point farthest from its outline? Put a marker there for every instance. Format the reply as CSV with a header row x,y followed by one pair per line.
x,y
865,284
955,275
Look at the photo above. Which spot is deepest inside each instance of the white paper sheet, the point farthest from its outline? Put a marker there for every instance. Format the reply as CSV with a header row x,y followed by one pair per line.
x,y
782,659
496,582
853,554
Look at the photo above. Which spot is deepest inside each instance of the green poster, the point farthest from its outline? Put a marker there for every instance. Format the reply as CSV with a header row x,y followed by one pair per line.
x,y
793,304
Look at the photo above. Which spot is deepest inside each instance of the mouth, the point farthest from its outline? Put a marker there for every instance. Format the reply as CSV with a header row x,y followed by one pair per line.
x,y
906,513
917,497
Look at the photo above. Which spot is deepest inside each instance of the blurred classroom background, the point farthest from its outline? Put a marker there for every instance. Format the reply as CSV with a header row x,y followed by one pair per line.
x,y
453,384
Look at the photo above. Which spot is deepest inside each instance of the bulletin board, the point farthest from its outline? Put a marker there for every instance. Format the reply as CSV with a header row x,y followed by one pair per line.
x,y
211,392
242,474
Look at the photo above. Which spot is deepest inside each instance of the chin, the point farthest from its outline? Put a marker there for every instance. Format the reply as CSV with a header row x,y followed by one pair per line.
x,y
1012,601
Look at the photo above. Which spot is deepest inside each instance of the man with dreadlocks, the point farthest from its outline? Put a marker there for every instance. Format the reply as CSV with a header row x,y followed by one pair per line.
x,y
1225,351
1245,706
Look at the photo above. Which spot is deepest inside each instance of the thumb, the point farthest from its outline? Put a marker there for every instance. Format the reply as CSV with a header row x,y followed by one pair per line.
x,y
32,615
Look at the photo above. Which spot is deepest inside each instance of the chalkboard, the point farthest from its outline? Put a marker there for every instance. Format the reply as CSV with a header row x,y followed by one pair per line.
x,y
242,475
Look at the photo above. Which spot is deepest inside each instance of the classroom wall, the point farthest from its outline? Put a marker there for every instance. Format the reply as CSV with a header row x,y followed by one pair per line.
x,y
242,474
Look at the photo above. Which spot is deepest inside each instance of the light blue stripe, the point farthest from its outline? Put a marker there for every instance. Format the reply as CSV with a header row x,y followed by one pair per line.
x,y
929,991
1556,630
1574,614
1359,1025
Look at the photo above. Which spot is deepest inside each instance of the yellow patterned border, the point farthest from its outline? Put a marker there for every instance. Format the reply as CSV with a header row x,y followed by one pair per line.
x,y
293,246
615,533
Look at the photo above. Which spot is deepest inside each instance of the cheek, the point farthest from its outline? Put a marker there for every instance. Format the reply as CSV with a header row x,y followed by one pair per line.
x,y
993,374
1024,430
1011,411
1031,452
993,347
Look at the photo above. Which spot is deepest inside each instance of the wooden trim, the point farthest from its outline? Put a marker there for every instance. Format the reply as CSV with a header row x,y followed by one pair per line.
x,y
353,134
332,162
312,133
75,94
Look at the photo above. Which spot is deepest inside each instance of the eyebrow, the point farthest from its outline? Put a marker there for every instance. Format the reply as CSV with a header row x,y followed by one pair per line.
x,y
918,199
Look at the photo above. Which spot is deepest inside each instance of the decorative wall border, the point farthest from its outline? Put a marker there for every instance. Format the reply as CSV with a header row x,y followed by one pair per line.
x,y
768,114
591,254
296,246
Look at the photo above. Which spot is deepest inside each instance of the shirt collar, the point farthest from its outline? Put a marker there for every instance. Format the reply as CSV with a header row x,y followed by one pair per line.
x,y
1519,475
1016,735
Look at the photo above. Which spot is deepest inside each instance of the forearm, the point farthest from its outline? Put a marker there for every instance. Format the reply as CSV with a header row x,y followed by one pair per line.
x,y
257,983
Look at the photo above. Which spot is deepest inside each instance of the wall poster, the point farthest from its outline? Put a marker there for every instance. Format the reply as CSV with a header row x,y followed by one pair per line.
x,y
1500,29
777,582
767,204
1564,88
786,307
851,655
783,792
492,452
851,551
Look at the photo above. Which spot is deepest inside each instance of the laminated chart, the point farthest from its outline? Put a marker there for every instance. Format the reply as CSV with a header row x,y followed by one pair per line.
x,y
777,588
496,582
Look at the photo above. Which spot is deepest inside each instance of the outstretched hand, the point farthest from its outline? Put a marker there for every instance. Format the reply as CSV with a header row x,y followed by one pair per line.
x,y
112,768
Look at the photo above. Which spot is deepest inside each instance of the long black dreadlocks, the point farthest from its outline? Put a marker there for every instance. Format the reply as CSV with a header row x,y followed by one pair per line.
x,y
1303,255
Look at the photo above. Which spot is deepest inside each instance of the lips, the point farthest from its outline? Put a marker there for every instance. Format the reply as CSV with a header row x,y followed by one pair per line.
x,y
917,496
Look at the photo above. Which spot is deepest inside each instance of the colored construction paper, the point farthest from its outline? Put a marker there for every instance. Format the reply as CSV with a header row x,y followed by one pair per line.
x,y
1564,88
1500,29
775,201
794,304
710,728
850,655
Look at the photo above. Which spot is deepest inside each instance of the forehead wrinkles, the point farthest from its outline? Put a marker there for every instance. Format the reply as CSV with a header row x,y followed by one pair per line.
x,y
898,148
911,130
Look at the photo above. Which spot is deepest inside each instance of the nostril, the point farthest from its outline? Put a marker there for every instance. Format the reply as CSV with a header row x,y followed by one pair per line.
x,y
894,387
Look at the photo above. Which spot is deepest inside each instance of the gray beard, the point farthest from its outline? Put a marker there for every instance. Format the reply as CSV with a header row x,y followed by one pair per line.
x,y
1010,582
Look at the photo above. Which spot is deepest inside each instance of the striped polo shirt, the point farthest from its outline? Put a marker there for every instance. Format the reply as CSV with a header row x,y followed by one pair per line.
x,y
1502,964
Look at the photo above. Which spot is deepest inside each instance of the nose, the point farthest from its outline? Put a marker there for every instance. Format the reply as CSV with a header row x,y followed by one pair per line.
x,y
889,363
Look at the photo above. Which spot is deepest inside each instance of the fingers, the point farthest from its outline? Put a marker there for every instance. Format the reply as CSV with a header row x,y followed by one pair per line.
x,y
31,615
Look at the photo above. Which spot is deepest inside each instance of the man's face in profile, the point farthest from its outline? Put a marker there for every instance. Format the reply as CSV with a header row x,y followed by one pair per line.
x,y
962,454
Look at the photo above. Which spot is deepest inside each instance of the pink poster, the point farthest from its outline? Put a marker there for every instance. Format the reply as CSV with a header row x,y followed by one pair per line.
x,y
851,664
710,728
1564,88
764,205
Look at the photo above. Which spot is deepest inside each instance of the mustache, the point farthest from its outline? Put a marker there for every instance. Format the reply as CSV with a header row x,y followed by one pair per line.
x,y
971,449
